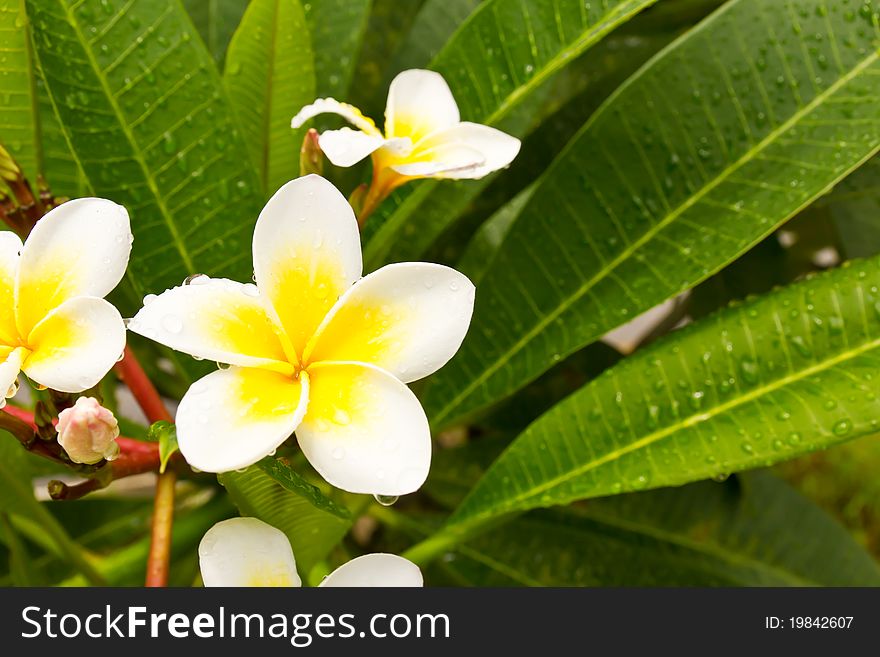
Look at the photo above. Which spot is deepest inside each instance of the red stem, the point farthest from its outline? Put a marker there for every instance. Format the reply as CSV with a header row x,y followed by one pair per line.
x,y
131,372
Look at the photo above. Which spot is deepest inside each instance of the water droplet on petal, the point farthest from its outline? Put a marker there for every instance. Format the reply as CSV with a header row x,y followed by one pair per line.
x,y
172,324
386,500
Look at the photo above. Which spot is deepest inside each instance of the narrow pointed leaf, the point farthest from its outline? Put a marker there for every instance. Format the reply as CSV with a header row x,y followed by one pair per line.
x,y
137,95
789,373
501,55
714,143
268,77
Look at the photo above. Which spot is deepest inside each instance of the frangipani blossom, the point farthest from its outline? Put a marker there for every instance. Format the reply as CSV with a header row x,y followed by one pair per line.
x,y
249,552
424,136
314,348
55,325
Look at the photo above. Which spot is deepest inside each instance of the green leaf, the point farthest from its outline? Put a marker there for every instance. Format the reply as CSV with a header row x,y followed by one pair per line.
x,y
312,531
216,20
754,384
164,433
705,534
269,76
20,562
499,57
138,97
282,473
19,129
715,142
337,28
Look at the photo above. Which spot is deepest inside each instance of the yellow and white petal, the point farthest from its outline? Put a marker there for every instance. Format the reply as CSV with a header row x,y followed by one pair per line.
x,y
330,106
407,318
76,345
307,252
80,248
10,245
346,147
365,431
247,552
10,365
376,570
454,146
441,161
419,103
232,418
215,319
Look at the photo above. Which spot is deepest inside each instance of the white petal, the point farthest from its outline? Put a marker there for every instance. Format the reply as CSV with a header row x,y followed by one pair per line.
x,y
76,345
365,431
376,570
330,106
346,147
214,319
80,248
407,318
232,418
247,552
450,160
307,252
10,366
10,245
419,103
457,144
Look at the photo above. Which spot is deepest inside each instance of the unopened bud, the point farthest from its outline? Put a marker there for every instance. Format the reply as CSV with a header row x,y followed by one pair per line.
x,y
311,158
87,431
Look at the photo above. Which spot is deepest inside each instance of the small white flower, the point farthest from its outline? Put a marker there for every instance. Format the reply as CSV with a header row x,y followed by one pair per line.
x,y
248,552
424,136
54,323
314,348
87,431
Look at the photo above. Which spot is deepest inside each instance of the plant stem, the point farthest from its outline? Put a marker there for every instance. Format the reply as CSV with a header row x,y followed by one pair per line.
x,y
151,403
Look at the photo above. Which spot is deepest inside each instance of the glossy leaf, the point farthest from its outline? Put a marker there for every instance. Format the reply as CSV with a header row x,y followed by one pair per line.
x,y
139,100
268,76
734,534
498,58
855,207
337,28
19,131
786,374
718,140
312,531
283,474
216,20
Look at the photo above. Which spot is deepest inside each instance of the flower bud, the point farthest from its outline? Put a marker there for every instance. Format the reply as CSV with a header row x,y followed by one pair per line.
x,y
311,159
87,431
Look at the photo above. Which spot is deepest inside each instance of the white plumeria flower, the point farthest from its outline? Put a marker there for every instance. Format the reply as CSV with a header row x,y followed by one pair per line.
x,y
249,552
55,325
424,136
314,348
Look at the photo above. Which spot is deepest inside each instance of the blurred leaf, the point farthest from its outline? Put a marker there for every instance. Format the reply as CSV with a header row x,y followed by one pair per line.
x,y
269,76
19,560
855,207
757,383
499,57
138,96
734,534
695,159
312,531
337,28
19,129
216,20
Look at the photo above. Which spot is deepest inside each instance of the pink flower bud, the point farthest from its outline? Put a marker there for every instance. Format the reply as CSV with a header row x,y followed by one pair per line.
x,y
88,431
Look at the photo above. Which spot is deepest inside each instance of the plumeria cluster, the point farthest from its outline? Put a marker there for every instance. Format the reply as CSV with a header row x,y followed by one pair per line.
x,y
312,347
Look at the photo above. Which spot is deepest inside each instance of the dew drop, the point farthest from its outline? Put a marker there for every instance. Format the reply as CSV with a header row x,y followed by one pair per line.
x,y
172,324
385,500
196,279
842,428
338,454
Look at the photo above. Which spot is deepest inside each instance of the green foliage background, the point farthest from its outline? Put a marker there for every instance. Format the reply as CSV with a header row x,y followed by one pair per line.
x,y
716,153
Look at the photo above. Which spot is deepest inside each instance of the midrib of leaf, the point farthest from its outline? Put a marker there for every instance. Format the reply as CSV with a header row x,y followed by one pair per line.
x,y
691,420
602,27
136,151
609,267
